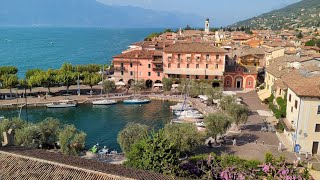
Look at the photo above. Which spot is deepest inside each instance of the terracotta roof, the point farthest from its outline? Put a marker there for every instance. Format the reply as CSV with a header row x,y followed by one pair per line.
x,y
22,163
301,85
139,54
192,48
279,83
274,49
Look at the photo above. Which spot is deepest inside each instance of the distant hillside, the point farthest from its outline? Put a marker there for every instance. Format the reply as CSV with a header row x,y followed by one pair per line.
x,y
86,13
305,13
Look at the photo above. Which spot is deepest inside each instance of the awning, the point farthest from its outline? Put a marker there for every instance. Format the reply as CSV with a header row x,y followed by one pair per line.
x,y
120,83
158,85
264,94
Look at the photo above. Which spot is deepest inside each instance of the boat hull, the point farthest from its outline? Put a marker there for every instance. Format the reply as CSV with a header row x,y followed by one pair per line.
x,y
104,102
136,101
61,106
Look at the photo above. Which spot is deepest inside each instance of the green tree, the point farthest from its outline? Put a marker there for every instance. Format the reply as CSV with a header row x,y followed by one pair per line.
x,y
6,124
131,134
108,86
8,70
28,136
156,153
31,72
49,128
226,101
217,124
238,112
9,81
167,84
185,137
91,79
71,140
138,85
48,78
68,78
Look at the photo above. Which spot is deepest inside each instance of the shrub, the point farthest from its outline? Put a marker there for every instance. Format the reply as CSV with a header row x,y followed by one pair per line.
x,y
71,140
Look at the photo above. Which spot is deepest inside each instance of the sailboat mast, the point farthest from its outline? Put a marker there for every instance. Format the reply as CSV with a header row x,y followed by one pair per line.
x,y
102,79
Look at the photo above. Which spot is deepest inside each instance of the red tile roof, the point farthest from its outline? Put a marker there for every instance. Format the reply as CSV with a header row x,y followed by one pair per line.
x,y
193,48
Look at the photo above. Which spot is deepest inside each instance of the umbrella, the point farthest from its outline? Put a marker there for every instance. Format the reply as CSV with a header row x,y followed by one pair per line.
x,y
120,83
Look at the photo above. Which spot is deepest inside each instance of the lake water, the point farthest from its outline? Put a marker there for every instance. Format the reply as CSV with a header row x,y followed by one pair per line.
x,y
102,123
45,48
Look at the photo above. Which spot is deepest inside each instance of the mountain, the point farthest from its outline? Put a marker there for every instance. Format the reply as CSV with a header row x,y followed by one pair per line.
x,y
305,13
87,13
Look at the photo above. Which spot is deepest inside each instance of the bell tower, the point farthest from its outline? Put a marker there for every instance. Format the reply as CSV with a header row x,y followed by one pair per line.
x,y
207,26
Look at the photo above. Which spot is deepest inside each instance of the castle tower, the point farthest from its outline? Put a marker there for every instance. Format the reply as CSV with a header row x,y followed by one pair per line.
x,y
207,26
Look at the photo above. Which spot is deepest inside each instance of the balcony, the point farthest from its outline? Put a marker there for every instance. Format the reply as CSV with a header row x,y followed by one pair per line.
x,y
157,61
189,71
158,69
119,69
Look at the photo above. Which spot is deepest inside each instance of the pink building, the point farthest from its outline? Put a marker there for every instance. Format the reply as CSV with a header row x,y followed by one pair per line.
x,y
139,64
194,61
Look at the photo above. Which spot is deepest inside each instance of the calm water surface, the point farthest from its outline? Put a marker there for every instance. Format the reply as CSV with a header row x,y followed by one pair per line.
x,y
102,123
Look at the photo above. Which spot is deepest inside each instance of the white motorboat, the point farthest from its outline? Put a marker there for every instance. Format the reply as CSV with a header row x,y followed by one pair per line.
x,y
181,113
104,102
62,104
136,101
191,116
2,118
200,124
181,107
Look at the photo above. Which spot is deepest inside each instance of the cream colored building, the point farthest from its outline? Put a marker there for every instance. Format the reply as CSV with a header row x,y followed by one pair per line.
x,y
297,79
273,53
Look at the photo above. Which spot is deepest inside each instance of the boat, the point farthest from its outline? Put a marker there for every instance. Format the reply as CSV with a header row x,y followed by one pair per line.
x,y
104,102
136,101
191,116
62,104
181,113
181,107
2,118
200,124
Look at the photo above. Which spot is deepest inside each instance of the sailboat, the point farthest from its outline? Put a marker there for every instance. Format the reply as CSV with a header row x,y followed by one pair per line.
x,y
103,101
136,100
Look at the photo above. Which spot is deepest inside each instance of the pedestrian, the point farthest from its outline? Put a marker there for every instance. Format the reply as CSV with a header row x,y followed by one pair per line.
x,y
280,146
234,141
249,140
306,156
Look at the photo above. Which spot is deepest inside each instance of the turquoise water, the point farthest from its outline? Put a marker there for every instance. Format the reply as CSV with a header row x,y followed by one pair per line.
x,y
102,123
46,48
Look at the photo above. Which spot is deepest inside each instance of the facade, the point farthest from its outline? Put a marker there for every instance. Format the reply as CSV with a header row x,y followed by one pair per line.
x,y
239,77
139,65
194,61
273,53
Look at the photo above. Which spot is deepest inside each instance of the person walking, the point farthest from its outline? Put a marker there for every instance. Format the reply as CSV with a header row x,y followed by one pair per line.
x,y
234,141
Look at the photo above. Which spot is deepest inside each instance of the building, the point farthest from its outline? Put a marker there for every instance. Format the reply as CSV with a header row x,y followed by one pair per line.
x,y
194,61
273,53
207,26
139,64
240,77
297,80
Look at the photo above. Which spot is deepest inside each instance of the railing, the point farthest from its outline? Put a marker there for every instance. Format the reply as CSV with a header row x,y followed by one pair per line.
x,y
119,68
158,69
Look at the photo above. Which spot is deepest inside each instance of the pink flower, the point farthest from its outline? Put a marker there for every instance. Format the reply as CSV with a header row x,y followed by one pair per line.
x,y
266,168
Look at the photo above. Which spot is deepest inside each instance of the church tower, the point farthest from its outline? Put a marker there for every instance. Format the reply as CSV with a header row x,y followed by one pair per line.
x,y
207,26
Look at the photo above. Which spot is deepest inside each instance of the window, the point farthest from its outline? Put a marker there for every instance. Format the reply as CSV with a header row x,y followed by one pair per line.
x,y
228,82
131,64
131,73
178,76
188,76
249,83
289,97
317,128
207,57
188,65
206,77
255,64
188,58
280,92
197,66
291,109
121,73
149,73
198,58
207,66
121,64
178,65
217,66
318,110
149,66
169,58
216,77
197,77
179,56
169,65
296,104
217,57
158,74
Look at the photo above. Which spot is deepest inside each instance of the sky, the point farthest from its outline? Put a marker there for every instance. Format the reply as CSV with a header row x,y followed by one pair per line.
x,y
220,12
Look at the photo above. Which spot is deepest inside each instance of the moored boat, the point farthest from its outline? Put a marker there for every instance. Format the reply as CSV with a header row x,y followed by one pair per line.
x,y
62,104
104,102
136,101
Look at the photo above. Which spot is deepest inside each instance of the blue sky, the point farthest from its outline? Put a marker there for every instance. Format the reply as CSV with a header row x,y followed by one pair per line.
x,y
221,12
